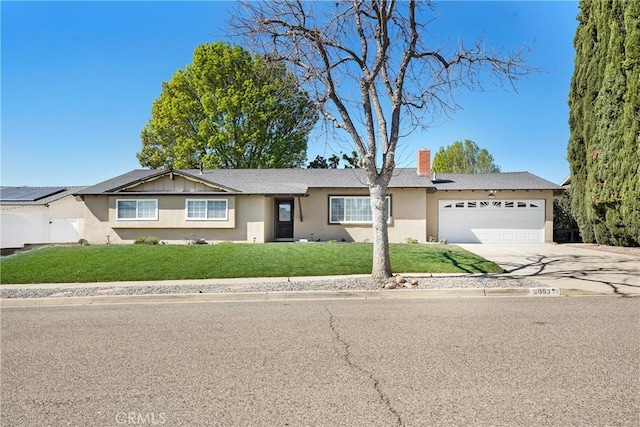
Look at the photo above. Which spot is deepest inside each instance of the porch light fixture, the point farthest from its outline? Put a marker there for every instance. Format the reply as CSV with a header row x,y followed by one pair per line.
x,y
492,194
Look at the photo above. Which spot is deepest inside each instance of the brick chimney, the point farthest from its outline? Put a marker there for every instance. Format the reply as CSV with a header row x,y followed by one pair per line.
x,y
424,162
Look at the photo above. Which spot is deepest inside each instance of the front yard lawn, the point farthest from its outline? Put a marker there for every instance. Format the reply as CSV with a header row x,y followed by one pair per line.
x,y
110,263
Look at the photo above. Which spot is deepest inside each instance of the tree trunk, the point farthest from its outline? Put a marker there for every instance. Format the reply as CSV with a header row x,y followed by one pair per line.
x,y
381,261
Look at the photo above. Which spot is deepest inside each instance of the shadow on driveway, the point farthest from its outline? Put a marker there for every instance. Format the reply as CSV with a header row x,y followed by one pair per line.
x,y
566,267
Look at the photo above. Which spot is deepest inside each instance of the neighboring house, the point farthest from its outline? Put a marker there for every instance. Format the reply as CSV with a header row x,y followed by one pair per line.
x,y
39,215
263,205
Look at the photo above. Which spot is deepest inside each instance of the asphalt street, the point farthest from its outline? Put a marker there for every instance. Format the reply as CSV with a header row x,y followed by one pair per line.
x,y
548,361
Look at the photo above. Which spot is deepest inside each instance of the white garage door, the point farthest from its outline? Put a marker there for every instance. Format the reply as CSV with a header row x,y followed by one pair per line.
x,y
491,221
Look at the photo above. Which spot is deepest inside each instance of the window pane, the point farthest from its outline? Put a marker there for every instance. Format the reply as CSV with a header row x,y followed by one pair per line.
x,y
126,209
284,212
353,209
357,209
337,209
217,209
388,209
146,209
350,209
196,209
365,210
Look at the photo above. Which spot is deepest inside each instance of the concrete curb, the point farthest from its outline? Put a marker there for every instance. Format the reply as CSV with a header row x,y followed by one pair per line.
x,y
232,281
288,296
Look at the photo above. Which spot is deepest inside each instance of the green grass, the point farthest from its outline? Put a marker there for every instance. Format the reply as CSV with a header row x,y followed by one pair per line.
x,y
106,263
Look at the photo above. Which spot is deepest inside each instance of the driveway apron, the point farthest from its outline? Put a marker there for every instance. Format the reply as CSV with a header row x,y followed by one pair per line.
x,y
566,266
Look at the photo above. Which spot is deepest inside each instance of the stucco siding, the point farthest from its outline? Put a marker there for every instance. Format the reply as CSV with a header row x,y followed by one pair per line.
x,y
268,215
408,209
244,220
66,208
172,213
96,220
409,213
250,220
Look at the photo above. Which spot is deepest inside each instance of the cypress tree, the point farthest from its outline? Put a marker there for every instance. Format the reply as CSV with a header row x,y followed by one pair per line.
x,y
630,207
604,147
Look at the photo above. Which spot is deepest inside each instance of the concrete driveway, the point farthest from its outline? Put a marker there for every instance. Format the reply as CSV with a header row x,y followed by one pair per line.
x,y
566,266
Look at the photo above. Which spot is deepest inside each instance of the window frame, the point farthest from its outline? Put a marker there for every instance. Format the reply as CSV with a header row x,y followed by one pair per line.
x,y
226,209
137,217
345,221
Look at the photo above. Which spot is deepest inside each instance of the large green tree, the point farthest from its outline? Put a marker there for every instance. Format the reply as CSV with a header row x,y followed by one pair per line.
x,y
604,120
464,157
228,109
350,161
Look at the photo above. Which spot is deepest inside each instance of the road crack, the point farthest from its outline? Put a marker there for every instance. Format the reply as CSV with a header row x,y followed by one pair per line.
x,y
348,359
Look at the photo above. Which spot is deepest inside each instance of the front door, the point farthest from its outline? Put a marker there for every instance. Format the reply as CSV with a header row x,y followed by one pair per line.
x,y
284,218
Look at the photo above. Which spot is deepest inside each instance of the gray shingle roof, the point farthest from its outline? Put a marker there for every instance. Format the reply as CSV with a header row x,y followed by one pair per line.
x,y
265,181
493,181
116,183
298,181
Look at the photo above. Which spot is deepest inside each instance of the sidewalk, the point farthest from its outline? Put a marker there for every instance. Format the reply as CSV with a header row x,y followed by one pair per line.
x,y
235,281
133,298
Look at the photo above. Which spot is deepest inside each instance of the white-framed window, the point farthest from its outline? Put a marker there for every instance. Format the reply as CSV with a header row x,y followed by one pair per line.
x,y
137,209
354,209
207,209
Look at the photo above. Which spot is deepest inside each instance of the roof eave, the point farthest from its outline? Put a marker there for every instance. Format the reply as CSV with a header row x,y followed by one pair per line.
x,y
194,194
500,189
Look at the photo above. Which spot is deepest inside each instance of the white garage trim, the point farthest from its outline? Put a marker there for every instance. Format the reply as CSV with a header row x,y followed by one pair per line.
x,y
491,221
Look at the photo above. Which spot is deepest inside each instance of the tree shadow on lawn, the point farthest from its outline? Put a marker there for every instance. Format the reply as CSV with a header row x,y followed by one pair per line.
x,y
456,264
471,265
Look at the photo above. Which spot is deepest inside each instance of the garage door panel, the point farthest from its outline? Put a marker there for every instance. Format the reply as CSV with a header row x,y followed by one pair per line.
x,y
474,221
488,225
483,236
467,235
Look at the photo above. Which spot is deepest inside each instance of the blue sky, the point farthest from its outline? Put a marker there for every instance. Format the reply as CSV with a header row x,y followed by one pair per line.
x,y
79,78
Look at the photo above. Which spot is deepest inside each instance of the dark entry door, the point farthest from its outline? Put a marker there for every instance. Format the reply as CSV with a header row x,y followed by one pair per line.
x,y
284,218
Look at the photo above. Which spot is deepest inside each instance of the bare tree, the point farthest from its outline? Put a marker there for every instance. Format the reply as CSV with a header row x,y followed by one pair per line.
x,y
368,66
